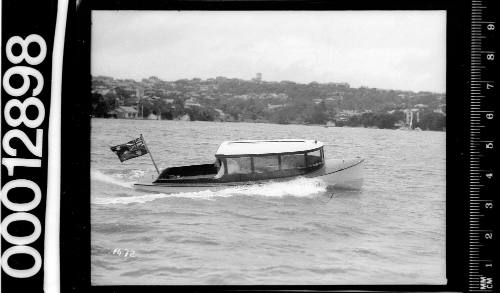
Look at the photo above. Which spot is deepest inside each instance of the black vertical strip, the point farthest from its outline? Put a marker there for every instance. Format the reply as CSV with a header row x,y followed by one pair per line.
x,y
23,18
75,152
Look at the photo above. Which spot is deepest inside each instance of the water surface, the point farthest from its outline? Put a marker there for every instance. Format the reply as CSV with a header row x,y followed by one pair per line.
x,y
390,232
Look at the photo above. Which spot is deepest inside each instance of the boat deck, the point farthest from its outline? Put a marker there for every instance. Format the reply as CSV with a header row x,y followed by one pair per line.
x,y
208,176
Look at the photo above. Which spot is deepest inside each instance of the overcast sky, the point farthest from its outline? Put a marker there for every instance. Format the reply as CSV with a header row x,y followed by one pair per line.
x,y
403,50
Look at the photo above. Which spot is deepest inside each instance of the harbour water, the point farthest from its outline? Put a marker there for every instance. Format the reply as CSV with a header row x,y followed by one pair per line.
x,y
390,232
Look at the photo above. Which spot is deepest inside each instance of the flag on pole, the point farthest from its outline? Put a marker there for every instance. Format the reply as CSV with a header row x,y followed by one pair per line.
x,y
130,150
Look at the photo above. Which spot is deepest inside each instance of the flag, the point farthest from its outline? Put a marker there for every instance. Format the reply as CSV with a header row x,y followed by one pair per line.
x,y
130,150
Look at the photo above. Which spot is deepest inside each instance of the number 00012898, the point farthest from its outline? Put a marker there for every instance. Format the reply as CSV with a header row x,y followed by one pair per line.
x,y
19,100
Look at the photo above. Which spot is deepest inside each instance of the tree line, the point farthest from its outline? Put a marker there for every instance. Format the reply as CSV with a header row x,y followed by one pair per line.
x,y
301,106
298,112
429,120
102,105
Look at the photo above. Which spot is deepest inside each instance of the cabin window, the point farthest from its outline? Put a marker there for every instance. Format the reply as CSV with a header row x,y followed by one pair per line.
x,y
293,161
314,158
241,165
265,164
221,170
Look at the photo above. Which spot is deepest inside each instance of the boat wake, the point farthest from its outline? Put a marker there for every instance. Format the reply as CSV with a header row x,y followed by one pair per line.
x,y
300,187
99,176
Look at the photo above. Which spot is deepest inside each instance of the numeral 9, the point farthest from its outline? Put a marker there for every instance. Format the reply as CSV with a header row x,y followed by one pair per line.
x,y
25,72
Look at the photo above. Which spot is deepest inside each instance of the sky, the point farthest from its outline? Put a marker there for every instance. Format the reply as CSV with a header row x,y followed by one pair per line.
x,y
401,50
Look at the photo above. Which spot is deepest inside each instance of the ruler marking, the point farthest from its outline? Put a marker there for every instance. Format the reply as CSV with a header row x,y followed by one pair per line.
x,y
478,29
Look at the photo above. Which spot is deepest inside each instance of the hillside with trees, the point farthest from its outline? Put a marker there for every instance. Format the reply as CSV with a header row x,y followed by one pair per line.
x,y
231,99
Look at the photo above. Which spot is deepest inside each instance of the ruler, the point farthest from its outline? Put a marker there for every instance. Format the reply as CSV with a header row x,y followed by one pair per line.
x,y
482,148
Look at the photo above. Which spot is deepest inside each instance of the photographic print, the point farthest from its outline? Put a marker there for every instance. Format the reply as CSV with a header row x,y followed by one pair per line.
x,y
268,147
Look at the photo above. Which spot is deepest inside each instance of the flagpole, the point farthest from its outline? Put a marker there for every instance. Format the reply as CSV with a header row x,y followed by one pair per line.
x,y
156,167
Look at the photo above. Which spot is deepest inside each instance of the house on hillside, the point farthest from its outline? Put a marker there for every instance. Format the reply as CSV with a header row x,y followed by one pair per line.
x,y
420,106
192,102
331,101
123,112
345,115
441,109
222,115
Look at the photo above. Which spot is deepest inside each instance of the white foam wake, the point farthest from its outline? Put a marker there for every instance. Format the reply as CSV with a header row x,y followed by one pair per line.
x,y
99,176
132,175
300,187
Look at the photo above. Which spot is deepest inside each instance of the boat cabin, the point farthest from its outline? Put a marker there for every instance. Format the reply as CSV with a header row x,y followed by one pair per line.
x,y
250,160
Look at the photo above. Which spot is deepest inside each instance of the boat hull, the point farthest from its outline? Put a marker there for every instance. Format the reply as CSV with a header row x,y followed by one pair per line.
x,y
181,188
342,174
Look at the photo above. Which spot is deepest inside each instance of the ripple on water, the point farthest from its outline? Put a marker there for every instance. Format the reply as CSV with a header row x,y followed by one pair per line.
x,y
158,271
119,228
199,240
245,216
328,270
295,229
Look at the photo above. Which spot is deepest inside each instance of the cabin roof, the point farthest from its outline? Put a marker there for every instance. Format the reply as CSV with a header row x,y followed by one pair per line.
x,y
259,147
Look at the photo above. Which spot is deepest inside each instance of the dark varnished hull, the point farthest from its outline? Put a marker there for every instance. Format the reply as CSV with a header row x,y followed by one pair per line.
x,y
346,174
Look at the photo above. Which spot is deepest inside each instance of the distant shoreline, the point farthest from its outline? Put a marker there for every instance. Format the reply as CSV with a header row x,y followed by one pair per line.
x,y
268,122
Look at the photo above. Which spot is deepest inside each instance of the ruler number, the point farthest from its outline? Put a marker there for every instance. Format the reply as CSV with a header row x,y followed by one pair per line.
x,y
490,56
488,205
488,235
489,86
490,27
